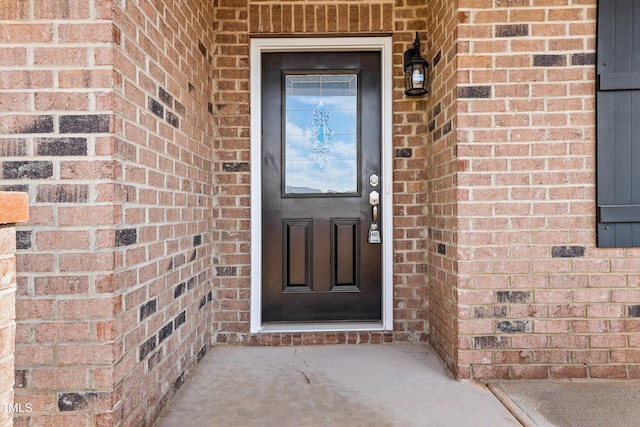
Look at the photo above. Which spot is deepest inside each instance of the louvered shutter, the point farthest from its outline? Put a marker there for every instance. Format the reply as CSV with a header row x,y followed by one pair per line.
x,y
618,123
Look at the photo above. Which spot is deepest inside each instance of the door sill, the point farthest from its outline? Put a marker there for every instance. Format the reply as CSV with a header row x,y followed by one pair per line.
x,y
268,328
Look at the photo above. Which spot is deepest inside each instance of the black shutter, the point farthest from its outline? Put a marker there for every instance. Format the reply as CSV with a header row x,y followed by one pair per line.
x,y
618,123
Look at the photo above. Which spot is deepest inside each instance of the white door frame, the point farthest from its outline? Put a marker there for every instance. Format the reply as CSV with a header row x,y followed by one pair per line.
x,y
338,44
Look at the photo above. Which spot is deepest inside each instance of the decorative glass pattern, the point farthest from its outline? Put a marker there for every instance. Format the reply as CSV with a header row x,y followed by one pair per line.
x,y
321,134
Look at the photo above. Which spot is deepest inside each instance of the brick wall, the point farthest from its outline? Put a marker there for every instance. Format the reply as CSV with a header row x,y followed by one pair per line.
x,y
129,130
56,126
504,209
106,123
442,167
162,149
13,209
7,320
231,170
411,319
234,23
537,298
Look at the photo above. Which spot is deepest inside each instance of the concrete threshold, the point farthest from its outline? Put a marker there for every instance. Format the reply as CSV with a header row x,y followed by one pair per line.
x,y
333,385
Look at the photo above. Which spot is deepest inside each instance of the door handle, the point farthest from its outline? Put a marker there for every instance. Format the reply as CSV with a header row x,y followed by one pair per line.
x,y
374,200
374,233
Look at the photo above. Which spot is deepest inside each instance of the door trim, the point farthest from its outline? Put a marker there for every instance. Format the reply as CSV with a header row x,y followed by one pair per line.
x,y
337,44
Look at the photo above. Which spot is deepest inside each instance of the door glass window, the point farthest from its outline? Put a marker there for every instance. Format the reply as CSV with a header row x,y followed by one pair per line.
x,y
321,134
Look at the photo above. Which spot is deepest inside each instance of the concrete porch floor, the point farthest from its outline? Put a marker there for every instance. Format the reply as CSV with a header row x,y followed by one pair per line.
x,y
333,385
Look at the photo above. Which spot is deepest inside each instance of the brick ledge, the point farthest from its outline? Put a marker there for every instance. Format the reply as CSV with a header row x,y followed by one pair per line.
x,y
14,207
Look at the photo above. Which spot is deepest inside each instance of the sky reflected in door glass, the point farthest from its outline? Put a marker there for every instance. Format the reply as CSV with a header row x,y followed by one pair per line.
x,y
321,134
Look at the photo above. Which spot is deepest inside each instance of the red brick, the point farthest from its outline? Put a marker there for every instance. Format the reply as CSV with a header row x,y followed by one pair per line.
x,y
61,285
86,262
62,332
14,33
551,326
85,33
529,341
63,378
74,9
629,356
58,56
87,215
60,419
487,371
565,372
529,372
87,354
85,79
46,101
14,207
40,401
13,102
608,371
608,341
605,310
34,309
24,79
13,56
47,240
34,355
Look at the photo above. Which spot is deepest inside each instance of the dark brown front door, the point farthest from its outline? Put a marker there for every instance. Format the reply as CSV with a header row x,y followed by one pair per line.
x,y
321,147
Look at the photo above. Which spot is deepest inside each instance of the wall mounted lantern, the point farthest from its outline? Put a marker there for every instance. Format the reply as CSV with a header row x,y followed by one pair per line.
x,y
415,71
